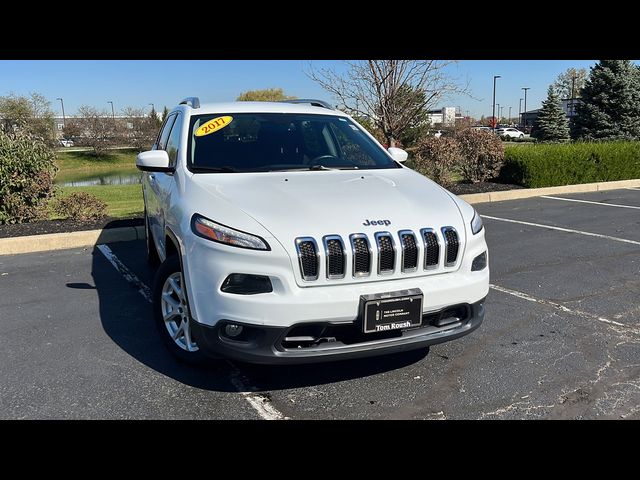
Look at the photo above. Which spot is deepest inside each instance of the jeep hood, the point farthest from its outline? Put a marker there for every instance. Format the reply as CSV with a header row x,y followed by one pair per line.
x,y
318,203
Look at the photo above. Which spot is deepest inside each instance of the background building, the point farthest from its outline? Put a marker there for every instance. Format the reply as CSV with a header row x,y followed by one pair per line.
x,y
444,117
568,107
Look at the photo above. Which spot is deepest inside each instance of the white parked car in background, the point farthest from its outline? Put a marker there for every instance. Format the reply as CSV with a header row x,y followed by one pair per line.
x,y
509,132
287,234
66,143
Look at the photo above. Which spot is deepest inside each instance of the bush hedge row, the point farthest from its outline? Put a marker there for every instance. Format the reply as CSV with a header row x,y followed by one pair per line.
x,y
548,165
27,168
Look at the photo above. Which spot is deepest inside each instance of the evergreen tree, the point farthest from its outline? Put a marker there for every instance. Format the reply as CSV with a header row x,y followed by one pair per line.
x,y
610,106
552,124
165,112
153,116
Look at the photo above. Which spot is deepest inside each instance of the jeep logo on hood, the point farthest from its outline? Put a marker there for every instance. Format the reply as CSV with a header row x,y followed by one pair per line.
x,y
368,223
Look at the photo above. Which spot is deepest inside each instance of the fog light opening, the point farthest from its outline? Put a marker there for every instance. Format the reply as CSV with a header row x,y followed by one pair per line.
x,y
246,284
480,262
233,330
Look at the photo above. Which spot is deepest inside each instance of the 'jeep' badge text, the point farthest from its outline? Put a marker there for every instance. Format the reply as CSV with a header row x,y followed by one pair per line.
x,y
368,223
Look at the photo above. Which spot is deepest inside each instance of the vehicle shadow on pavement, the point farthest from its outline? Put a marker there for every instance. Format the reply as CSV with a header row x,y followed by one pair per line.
x,y
278,377
126,317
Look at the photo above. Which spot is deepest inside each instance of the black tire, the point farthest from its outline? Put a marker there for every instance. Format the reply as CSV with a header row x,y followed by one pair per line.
x,y
169,267
152,253
521,135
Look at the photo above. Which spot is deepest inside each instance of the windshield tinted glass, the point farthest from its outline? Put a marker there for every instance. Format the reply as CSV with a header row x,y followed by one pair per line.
x,y
259,142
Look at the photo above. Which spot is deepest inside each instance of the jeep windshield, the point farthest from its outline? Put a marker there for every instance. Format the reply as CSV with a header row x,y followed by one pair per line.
x,y
268,142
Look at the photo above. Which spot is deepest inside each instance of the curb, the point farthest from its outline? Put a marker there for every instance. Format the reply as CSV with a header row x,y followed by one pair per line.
x,y
89,238
61,241
536,192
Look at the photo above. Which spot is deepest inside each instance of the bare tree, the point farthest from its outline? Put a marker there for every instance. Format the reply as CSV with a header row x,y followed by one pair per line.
x,y
570,82
264,95
392,93
32,113
96,128
139,129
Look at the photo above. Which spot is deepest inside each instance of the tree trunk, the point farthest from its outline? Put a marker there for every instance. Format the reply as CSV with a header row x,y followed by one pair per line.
x,y
391,142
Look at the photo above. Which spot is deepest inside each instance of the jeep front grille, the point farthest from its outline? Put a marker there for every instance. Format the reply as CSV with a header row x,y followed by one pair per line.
x,y
361,254
451,245
336,256
386,253
309,258
409,248
431,248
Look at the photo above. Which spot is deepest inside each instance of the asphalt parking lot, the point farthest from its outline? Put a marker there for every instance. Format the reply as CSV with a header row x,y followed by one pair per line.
x,y
561,337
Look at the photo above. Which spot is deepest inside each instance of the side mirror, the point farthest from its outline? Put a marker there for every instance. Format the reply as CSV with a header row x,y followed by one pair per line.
x,y
154,161
398,154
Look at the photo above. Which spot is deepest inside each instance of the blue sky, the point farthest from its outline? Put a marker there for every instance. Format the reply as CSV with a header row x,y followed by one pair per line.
x,y
138,83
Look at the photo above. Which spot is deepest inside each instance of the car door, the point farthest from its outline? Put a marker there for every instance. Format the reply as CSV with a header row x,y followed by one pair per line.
x,y
151,189
164,182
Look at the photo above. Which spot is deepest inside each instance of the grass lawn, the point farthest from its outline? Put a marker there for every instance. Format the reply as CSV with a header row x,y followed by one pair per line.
x,y
122,200
81,164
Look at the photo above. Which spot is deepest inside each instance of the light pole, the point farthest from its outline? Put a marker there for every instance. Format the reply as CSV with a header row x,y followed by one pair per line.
x,y
64,121
498,109
113,113
520,113
573,89
152,107
494,101
501,114
509,115
525,105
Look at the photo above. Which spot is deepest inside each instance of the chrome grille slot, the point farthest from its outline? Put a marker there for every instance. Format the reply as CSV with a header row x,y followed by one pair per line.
x,y
308,257
386,253
431,248
335,256
409,248
361,254
451,245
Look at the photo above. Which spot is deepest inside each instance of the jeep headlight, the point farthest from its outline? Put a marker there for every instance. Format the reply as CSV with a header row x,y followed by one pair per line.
x,y
205,228
476,223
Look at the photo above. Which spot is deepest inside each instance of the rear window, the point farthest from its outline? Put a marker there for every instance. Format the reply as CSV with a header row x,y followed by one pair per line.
x,y
259,142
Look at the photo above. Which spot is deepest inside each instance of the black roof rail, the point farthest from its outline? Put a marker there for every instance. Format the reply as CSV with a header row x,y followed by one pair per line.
x,y
193,102
315,103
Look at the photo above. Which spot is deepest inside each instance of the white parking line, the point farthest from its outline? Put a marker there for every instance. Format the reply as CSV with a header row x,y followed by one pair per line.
x,y
579,313
568,230
633,188
591,202
128,275
260,403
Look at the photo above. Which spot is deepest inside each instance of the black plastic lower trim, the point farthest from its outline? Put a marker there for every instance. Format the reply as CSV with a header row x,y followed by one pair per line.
x,y
262,344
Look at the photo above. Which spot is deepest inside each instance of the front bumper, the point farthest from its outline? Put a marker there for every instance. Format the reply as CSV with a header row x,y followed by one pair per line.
x,y
267,345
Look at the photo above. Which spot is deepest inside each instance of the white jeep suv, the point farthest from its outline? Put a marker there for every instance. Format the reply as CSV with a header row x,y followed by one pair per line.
x,y
287,234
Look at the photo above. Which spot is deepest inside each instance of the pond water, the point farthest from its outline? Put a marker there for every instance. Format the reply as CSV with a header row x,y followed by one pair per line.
x,y
112,179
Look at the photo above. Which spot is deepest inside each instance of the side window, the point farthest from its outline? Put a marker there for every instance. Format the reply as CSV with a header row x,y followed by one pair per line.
x,y
351,150
164,133
174,142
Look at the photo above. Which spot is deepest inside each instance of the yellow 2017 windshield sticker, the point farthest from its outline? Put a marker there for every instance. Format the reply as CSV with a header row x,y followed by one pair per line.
x,y
213,126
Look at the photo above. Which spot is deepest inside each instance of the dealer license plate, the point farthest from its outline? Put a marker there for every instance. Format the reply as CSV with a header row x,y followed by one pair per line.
x,y
391,311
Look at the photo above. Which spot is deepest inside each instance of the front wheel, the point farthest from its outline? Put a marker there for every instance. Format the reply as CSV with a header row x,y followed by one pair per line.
x,y
171,312
521,135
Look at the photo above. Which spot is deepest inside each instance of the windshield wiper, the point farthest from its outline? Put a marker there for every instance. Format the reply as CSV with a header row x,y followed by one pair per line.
x,y
200,169
313,168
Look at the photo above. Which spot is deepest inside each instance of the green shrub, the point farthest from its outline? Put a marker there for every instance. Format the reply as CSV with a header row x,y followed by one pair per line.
x,y
546,165
437,158
482,155
27,169
80,206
